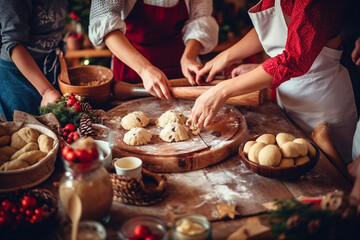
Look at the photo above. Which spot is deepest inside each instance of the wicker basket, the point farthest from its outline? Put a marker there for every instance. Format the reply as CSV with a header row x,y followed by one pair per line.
x,y
148,190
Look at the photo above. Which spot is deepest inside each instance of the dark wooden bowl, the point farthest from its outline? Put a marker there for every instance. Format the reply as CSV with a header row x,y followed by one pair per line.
x,y
278,172
96,94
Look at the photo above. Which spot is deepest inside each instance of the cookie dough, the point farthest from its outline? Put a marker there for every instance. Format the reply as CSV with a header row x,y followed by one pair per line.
x,y
171,116
134,119
137,136
174,132
270,155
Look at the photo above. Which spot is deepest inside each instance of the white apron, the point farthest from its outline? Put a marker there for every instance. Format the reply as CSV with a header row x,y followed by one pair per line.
x,y
324,93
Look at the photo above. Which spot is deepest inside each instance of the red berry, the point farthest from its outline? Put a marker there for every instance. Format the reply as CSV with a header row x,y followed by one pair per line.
x,y
36,218
77,107
5,219
19,217
15,210
69,140
141,231
39,211
29,212
7,205
66,150
152,237
84,155
28,202
70,156
94,153
70,102
71,127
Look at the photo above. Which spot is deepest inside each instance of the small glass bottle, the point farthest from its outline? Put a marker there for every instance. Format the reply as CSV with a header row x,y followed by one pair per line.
x,y
91,182
192,227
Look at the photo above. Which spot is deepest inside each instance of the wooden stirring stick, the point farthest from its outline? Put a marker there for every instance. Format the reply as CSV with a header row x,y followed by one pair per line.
x,y
64,76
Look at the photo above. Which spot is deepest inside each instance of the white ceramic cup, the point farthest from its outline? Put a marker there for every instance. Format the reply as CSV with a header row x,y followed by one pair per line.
x,y
128,166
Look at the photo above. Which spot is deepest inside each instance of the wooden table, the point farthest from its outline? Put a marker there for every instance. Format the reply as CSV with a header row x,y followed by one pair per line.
x,y
228,182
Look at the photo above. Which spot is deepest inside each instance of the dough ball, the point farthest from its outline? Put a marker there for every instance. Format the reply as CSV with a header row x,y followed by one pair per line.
x,y
282,138
4,140
45,143
193,129
266,138
287,162
270,155
2,131
134,119
293,150
13,165
137,136
16,141
254,151
31,157
301,160
29,134
247,147
174,132
310,147
171,116
7,150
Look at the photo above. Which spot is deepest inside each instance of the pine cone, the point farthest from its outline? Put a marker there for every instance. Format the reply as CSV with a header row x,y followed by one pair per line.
x,y
86,107
86,129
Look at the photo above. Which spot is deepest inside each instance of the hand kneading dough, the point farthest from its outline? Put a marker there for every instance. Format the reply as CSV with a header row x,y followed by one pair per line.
x,y
266,138
247,147
311,149
254,151
287,162
171,116
45,143
27,148
16,141
282,138
293,149
173,132
137,136
134,119
301,160
270,155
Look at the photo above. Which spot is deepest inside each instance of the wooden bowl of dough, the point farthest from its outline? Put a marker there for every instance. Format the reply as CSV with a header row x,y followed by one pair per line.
x,y
35,174
92,82
289,173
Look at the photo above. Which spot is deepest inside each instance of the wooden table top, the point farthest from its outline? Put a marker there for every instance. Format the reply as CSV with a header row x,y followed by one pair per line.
x,y
228,182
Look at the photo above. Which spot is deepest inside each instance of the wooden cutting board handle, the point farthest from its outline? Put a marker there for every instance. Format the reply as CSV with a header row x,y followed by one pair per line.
x,y
124,90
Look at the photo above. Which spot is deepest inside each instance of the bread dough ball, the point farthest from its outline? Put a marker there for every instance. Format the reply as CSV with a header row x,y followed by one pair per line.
x,y
301,160
137,136
45,143
254,151
310,147
174,132
266,138
270,155
287,162
171,116
282,138
16,141
293,150
134,119
27,148
247,147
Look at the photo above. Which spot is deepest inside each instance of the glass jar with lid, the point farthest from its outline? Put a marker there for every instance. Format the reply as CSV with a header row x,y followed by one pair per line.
x,y
91,182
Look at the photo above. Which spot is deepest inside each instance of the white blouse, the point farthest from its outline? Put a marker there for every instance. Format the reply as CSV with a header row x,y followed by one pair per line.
x,y
108,15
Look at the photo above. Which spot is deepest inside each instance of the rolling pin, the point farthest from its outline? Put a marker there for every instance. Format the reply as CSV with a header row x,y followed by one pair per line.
x,y
122,90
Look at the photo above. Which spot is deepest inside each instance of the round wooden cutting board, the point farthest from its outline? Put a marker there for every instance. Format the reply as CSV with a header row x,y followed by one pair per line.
x,y
213,144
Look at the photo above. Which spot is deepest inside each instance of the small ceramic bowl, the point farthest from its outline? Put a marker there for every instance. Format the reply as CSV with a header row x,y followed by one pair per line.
x,y
156,225
105,153
87,230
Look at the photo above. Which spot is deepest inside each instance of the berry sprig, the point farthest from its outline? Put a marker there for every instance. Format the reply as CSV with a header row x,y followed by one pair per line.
x,y
71,101
69,133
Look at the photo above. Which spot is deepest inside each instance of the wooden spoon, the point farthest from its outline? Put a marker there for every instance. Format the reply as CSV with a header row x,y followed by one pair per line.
x,y
74,211
64,76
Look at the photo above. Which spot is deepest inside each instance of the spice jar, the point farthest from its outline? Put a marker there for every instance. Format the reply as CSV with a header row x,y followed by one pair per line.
x,y
192,227
91,182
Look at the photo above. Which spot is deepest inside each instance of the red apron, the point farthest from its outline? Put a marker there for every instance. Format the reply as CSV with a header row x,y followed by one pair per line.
x,y
156,33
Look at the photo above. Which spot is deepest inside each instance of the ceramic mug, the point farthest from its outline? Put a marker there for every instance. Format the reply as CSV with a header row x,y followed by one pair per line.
x,y
128,166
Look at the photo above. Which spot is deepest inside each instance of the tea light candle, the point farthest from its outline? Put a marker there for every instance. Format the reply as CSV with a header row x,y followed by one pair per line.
x,y
128,166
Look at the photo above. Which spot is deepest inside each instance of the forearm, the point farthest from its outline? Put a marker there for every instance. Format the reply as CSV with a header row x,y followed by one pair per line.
x,y
256,79
246,47
120,46
28,67
192,50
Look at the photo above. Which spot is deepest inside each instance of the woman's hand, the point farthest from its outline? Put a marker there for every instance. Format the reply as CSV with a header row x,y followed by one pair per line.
x,y
190,68
50,96
155,82
211,68
206,106
355,55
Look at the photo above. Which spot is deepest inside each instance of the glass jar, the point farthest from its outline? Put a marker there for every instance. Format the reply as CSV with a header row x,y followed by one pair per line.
x,y
192,227
91,182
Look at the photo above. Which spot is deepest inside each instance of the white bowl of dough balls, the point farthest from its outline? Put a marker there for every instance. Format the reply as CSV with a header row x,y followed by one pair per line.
x,y
279,155
27,155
